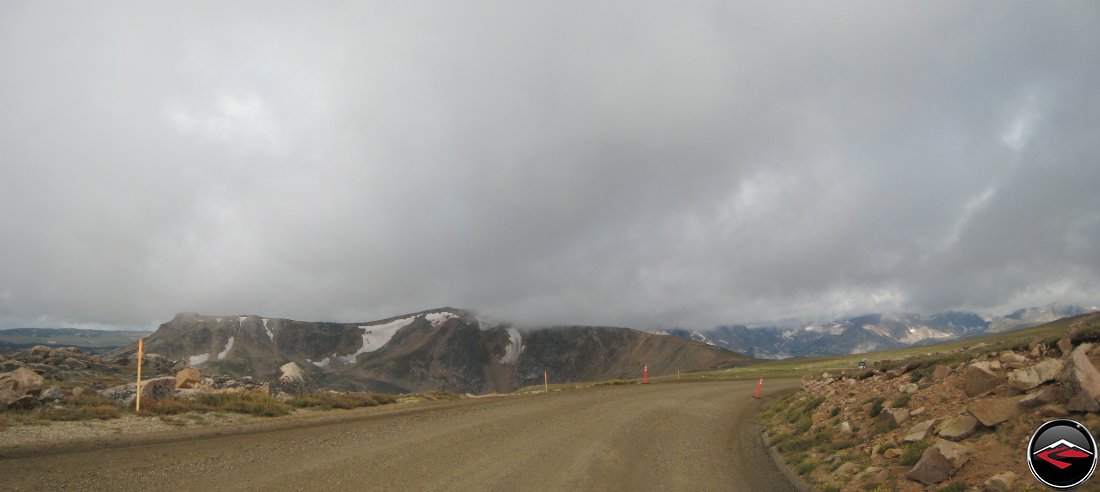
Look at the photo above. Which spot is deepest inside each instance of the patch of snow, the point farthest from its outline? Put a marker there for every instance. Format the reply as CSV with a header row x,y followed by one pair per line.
x,y
241,319
919,333
323,363
195,360
515,346
375,336
268,330
789,334
228,347
878,330
485,324
437,319
218,320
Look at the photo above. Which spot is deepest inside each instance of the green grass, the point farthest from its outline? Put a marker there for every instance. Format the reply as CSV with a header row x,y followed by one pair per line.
x,y
912,453
901,401
327,400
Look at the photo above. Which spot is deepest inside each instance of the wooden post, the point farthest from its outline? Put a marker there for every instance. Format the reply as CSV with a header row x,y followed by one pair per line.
x,y
677,374
545,382
141,355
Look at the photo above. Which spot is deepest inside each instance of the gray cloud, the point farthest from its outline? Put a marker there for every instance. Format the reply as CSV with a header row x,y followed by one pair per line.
x,y
621,162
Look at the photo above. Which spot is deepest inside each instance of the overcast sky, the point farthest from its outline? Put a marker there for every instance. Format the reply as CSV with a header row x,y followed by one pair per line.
x,y
628,163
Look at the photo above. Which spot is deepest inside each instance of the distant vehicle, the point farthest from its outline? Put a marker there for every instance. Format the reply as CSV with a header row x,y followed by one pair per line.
x,y
863,364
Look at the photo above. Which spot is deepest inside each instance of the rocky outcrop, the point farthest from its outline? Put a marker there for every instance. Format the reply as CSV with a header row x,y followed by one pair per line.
x,y
1031,377
1001,482
188,378
17,384
939,462
994,411
156,389
980,378
1083,381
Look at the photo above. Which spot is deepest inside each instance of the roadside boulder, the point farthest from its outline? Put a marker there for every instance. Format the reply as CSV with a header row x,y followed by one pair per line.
x,y
158,389
958,428
21,381
980,379
188,378
939,462
1083,381
53,394
1030,377
994,411
123,394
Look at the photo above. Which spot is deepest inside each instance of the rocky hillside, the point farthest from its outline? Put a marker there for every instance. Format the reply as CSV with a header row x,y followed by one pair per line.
x,y
871,332
438,350
959,419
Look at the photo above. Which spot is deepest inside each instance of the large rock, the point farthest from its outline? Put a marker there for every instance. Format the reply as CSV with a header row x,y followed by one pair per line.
x,y
158,389
1083,381
958,428
1030,377
940,372
980,379
1065,346
939,462
188,378
53,394
994,411
21,381
1011,357
123,394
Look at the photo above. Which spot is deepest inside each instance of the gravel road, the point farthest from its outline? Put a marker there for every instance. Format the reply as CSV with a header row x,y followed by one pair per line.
x,y
673,436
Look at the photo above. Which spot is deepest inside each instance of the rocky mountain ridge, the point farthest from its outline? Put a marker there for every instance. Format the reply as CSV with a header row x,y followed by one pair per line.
x,y
871,332
443,349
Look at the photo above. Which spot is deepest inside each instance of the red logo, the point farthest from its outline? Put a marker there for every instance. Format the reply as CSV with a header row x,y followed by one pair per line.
x,y
1062,449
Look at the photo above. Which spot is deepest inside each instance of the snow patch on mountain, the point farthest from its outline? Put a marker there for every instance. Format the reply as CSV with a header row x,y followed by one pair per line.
x,y
323,363
268,330
515,346
375,336
228,347
437,319
195,360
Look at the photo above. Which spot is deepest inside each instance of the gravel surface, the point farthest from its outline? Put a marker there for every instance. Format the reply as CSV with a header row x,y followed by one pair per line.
x,y
676,436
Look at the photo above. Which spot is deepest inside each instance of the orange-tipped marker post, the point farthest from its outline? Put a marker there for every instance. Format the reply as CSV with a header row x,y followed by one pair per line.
x,y
645,374
137,404
758,386
545,382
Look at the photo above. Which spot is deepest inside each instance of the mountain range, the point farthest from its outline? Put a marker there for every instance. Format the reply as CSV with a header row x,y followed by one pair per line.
x,y
437,350
870,332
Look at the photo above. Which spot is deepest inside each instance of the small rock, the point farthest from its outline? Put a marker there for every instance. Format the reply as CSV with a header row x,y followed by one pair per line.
x,y
939,462
958,428
894,416
918,412
79,391
867,473
1036,398
892,453
940,372
847,469
919,431
1054,410
908,388
980,379
1030,377
53,394
1012,357
994,411
1001,482
1065,346
995,365
844,427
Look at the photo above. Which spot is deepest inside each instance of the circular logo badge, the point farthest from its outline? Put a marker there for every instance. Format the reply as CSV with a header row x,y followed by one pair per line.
x,y
1062,454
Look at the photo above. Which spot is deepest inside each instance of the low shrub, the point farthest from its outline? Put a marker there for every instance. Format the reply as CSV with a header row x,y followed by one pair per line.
x,y
328,400
876,405
901,401
912,453
247,403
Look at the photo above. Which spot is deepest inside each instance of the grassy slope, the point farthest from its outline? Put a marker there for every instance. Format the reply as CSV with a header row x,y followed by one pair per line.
x,y
68,337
